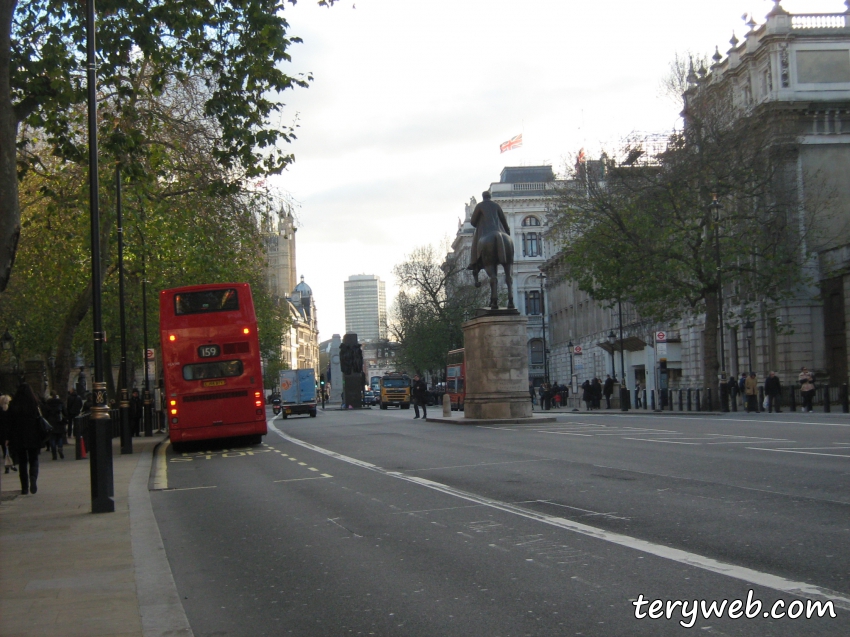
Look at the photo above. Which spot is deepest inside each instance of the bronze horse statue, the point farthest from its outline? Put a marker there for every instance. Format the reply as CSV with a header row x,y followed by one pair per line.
x,y
491,246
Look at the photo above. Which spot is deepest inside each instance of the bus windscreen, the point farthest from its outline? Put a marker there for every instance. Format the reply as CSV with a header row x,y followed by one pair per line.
x,y
224,300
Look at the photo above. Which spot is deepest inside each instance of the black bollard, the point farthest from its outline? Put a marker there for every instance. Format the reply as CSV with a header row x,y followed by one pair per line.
x,y
845,399
827,407
681,398
645,403
652,398
761,398
698,406
792,402
690,405
733,397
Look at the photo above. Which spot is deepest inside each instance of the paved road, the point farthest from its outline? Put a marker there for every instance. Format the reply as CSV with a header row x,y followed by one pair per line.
x,y
374,523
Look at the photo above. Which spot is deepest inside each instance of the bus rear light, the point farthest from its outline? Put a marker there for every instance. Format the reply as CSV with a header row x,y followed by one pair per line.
x,y
172,337
258,403
256,394
173,412
173,403
245,330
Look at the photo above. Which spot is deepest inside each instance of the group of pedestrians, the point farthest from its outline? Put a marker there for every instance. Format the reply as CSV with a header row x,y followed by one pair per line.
x,y
748,386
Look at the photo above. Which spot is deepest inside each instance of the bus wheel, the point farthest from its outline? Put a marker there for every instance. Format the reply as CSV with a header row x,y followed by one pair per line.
x,y
255,440
178,447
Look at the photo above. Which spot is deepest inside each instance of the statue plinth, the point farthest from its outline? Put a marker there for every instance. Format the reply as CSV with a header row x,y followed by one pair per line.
x,y
496,352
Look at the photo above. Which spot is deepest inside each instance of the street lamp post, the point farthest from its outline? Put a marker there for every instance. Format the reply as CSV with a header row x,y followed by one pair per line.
x,y
624,391
124,401
612,338
542,278
101,449
724,389
749,326
573,383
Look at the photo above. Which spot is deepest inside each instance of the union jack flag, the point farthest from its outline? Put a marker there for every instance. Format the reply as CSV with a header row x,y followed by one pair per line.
x,y
513,142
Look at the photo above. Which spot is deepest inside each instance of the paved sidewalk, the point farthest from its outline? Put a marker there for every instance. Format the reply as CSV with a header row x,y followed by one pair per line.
x,y
67,572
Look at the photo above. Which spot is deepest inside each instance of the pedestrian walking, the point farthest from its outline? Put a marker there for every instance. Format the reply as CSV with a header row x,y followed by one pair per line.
x,y
773,389
54,413
9,462
751,390
807,389
596,385
638,399
135,413
419,391
73,408
556,395
587,395
26,436
608,391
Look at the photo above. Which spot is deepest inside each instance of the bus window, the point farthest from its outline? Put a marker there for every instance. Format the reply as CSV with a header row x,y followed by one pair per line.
x,y
206,301
218,369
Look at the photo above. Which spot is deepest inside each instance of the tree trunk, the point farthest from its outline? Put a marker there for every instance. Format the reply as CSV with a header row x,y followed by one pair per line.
x,y
710,360
10,212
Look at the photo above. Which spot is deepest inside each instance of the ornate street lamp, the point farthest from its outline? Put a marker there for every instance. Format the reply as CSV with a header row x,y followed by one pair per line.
x,y
724,388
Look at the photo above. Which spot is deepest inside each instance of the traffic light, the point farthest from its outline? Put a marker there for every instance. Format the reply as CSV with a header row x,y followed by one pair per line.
x,y
322,379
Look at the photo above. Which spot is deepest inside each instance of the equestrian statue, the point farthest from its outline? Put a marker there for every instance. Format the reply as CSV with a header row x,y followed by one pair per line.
x,y
491,246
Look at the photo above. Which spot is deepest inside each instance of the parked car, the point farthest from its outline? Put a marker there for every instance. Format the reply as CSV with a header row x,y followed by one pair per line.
x,y
369,398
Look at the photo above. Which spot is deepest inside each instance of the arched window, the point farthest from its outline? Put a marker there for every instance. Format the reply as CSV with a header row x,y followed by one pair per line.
x,y
532,303
536,354
531,221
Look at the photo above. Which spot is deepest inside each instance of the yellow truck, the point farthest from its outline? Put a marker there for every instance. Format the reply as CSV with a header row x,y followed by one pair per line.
x,y
395,390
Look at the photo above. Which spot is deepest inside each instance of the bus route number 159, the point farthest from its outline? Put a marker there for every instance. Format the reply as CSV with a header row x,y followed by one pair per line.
x,y
209,351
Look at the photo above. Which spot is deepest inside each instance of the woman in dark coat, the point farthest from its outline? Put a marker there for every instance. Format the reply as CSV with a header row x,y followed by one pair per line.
x,y
587,394
25,436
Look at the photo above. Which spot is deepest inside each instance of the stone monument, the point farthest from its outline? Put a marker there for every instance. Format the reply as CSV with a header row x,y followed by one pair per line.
x,y
353,378
495,341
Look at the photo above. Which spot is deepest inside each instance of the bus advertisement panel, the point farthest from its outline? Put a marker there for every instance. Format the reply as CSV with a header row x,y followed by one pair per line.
x,y
455,375
211,363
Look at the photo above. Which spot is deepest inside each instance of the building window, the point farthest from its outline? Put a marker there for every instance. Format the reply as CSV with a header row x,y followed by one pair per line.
x,y
532,244
532,303
536,357
531,221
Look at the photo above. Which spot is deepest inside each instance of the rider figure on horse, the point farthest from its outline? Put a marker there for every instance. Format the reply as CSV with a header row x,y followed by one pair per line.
x,y
491,245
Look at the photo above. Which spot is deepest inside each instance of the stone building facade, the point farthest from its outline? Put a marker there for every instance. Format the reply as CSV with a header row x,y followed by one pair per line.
x,y
791,66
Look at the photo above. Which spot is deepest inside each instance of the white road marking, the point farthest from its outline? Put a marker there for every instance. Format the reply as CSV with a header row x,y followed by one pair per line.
x,y
669,442
191,488
481,464
321,477
758,578
803,453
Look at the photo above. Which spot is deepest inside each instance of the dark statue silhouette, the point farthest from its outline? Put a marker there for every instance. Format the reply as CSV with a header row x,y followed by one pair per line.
x,y
491,246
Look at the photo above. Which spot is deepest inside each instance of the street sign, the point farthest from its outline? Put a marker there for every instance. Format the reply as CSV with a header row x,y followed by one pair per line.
x,y
577,350
661,337
661,348
150,354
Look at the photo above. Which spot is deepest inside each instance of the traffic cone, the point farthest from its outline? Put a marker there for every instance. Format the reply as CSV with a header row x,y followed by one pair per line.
x,y
83,455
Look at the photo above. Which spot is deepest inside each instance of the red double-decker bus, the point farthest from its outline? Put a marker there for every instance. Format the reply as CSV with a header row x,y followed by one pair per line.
x,y
455,376
211,363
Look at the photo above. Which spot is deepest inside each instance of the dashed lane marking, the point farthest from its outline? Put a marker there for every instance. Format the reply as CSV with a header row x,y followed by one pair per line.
x,y
742,573
321,477
803,453
191,488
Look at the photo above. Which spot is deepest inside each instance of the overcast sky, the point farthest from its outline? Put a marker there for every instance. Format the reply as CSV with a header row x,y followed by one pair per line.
x,y
411,99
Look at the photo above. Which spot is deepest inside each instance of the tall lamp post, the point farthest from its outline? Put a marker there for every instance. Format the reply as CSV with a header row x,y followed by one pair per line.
x,y
542,278
100,463
573,383
749,326
124,402
724,389
624,391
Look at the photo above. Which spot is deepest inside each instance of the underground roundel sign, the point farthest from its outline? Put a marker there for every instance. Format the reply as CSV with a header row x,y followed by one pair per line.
x,y
661,337
577,349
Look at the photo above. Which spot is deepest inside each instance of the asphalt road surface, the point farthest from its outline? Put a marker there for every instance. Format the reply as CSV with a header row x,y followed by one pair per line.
x,y
373,523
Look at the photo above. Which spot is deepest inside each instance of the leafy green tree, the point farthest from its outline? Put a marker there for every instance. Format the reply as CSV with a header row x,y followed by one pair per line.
x,y
648,233
435,298
234,48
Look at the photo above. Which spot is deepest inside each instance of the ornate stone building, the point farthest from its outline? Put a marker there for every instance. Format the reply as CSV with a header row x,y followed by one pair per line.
x,y
796,67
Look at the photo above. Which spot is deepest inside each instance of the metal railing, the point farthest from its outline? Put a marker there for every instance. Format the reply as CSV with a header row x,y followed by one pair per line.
x,y
826,399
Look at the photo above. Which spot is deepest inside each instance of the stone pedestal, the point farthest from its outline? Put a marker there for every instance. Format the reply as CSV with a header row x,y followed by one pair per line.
x,y
496,353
